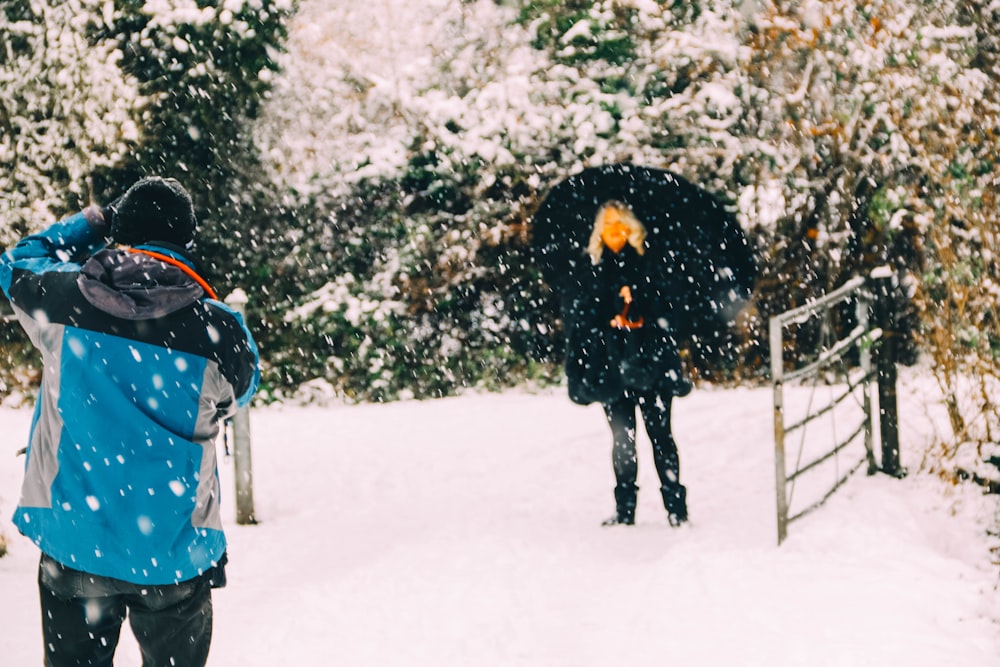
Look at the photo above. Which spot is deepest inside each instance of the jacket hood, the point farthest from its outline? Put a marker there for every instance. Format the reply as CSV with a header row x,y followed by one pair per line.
x,y
135,286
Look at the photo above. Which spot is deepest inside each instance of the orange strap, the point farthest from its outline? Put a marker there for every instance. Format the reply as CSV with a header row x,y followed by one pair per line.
x,y
182,266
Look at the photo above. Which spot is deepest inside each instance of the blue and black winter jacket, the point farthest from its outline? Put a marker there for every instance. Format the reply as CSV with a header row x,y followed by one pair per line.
x,y
139,367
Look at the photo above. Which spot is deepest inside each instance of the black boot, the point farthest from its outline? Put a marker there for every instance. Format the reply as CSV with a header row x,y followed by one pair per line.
x,y
625,496
675,502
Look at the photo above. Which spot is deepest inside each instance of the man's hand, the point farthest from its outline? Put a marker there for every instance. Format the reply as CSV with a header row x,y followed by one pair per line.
x,y
110,211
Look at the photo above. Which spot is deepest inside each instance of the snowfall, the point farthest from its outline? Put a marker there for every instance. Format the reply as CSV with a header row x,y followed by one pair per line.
x,y
467,531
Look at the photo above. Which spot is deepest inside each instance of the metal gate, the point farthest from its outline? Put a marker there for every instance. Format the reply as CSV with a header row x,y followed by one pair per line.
x,y
849,382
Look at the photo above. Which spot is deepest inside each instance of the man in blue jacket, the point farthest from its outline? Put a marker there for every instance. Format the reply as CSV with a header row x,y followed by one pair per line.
x,y
141,363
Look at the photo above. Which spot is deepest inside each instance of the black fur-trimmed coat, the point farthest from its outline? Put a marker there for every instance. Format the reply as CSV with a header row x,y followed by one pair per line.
x,y
602,361
694,279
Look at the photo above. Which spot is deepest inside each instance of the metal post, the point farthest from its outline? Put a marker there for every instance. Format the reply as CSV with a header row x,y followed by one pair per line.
x,y
862,309
242,465
777,379
885,362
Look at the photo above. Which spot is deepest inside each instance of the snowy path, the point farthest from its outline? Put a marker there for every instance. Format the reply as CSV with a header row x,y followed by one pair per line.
x,y
466,532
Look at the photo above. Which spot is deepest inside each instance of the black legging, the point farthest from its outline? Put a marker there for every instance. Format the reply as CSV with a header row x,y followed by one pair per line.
x,y
655,410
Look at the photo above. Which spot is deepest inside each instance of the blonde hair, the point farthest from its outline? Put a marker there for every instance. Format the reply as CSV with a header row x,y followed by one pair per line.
x,y
636,236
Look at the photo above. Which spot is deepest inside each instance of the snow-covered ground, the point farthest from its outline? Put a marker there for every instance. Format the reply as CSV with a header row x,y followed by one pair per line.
x,y
465,531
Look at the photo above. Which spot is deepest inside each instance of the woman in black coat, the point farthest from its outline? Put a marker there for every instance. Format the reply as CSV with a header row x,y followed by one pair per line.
x,y
622,353
664,262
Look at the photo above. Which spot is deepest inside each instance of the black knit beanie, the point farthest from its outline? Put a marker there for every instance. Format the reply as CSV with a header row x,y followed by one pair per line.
x,y
154,209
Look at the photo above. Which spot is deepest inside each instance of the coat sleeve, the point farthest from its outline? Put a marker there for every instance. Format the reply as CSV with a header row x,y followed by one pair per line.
x,y
242,361
250,374
60,248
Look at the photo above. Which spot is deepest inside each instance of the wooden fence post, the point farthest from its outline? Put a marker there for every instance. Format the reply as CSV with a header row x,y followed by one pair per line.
x,y
242,465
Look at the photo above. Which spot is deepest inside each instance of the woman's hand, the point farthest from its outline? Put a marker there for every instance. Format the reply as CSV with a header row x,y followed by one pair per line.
x,y
621,321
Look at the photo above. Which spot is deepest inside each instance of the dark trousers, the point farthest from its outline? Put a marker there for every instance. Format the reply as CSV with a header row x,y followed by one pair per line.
x,y
82,616
655,409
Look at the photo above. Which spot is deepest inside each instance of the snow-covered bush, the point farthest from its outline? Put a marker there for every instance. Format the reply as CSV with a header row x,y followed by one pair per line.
x,y
66,109
892,125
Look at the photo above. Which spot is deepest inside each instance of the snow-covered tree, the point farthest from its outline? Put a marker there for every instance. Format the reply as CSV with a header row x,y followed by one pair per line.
x,y
66,109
